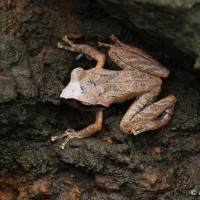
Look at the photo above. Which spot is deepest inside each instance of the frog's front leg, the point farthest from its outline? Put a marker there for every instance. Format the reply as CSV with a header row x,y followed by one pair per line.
x,y
84,49
152,117
131,58
86,132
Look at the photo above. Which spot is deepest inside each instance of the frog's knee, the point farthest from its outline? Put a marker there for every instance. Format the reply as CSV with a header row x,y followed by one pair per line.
x,y
172,98
124,127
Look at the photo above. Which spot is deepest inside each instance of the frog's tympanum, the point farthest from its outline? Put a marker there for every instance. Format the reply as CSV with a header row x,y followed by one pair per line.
x,y
97,88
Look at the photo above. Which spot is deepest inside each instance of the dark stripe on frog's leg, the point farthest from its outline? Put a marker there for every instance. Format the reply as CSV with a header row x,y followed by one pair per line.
x,y
157,123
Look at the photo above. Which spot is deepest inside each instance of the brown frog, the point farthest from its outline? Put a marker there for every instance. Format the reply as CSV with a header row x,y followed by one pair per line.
x,y
97,88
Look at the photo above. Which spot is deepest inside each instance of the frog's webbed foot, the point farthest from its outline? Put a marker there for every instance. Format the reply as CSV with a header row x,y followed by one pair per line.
x,y
69,134
72,47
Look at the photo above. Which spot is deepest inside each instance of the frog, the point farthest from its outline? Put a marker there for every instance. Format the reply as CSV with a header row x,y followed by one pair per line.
x,y
95,89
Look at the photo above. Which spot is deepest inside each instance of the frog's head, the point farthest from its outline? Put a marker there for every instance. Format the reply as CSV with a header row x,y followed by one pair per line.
x,y
78,93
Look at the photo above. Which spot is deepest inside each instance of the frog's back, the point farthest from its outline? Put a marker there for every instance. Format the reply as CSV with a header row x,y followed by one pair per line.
x,y
104,87
125,80
118,86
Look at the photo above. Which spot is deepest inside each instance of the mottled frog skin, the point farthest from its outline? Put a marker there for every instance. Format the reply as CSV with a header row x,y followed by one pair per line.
x,y
97,88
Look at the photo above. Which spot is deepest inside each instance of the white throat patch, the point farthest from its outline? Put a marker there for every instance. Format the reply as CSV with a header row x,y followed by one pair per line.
x,y
73,90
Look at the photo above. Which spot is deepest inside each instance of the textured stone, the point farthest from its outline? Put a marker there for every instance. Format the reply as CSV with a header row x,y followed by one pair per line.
x,y
7,89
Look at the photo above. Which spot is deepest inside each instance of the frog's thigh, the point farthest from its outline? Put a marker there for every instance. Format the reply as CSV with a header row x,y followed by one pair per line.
x,y
152,117
136,107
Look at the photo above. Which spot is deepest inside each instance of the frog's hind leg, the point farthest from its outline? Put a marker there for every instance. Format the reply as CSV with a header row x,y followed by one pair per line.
x,y
152,117
84,49
136,107
156,123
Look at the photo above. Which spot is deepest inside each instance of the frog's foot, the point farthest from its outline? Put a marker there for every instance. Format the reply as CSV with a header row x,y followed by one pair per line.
x,y
69,134
65,38
61,46
72,47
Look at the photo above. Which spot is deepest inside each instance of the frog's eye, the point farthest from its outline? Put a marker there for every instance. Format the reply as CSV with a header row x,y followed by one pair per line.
x,y
77,74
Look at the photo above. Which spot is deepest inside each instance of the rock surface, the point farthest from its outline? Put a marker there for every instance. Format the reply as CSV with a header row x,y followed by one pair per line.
x,y
175,23
162,164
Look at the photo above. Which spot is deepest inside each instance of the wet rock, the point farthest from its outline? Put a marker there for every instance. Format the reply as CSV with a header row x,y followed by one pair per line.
x,y
174,23
7,193
106,182
92,153
7,89
35,160
111,195
16,63
74,194
40,188
22,187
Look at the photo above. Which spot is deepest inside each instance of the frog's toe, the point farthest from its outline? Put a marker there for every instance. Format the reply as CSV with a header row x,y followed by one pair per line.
x,y
114,38
65,37
62,146
136,131
59,45
53,138
56,137
101,44
69,130
69,133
